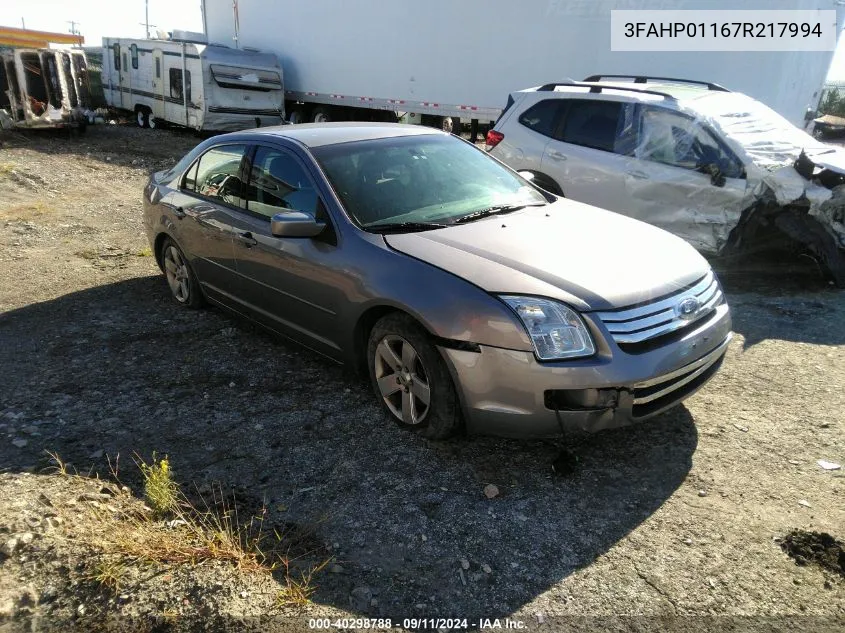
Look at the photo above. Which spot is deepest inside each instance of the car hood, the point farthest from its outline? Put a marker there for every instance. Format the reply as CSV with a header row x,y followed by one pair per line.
x,y
590,258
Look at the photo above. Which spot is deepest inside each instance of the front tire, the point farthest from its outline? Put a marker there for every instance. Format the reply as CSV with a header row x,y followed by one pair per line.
x,y
410,378
141,117
181,279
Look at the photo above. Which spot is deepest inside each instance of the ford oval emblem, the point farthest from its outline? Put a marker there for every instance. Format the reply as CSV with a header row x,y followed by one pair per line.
x,y
688,308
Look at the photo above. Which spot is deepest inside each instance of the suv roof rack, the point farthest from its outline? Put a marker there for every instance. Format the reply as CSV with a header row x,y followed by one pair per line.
x,y
643,79
595,87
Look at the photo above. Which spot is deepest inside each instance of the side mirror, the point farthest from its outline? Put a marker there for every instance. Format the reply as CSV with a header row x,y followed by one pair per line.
x,y
295,224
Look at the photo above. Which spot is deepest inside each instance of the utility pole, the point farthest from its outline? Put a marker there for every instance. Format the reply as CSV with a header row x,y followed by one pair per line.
x,y
73,30
23,24
146,22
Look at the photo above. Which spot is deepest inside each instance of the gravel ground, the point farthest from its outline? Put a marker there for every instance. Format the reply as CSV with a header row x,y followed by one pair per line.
x,y
672,523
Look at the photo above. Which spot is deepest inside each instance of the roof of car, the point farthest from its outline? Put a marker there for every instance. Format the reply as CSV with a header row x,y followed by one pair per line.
x,y
318,134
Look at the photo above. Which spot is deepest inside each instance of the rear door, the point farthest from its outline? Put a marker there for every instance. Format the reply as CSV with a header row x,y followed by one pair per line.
x,y
670,181
204,208
293,285
585,154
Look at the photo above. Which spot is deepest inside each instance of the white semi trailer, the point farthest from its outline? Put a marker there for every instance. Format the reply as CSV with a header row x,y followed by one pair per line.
x,y
461,58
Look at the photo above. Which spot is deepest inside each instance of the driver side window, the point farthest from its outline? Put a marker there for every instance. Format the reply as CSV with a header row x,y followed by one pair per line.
x,y
671,138
216,175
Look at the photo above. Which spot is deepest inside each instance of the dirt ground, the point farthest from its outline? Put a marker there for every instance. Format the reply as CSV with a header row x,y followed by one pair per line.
x,y
673,524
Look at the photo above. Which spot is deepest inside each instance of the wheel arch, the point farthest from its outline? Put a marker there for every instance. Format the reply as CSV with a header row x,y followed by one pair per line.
x,y
544,181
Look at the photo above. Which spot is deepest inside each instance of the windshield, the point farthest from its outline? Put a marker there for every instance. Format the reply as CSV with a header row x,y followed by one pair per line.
x,y
421,179
763,134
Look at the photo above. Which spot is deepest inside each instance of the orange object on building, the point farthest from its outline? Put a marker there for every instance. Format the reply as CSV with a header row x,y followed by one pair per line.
x,y
26,38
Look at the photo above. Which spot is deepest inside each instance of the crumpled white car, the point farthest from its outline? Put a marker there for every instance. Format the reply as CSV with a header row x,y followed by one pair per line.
x,y
715,167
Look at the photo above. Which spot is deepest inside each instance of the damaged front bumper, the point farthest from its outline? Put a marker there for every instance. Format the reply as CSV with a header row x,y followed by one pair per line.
x,y
509,393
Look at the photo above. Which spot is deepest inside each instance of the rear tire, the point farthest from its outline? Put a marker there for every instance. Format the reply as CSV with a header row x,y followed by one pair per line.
x,y
181,279
411,380
141,117
548,184
322,114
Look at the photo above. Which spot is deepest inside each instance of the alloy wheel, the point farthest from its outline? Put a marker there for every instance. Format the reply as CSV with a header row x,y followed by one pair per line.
x,y
176,270
402,380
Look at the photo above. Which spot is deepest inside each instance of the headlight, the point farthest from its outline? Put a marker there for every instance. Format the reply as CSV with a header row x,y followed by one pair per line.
x,y
556,330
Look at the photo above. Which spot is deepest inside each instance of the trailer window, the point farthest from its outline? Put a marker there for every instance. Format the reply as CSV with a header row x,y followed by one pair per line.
x,y
278,182
188,86
176,83
134,51
245,78
158,68
116,51
125,65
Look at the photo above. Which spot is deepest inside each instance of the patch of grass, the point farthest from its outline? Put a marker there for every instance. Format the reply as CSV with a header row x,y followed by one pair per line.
x,y
160,491
171,531
88,253
297,592
145,252
109,574
27,211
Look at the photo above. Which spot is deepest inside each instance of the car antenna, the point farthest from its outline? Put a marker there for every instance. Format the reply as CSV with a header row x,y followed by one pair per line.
x,y
566,462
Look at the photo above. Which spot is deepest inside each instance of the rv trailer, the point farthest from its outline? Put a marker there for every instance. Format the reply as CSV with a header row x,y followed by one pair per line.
x,y
43,88
183,81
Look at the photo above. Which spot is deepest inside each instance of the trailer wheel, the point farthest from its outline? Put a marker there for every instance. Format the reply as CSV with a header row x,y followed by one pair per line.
x,y
141,117
296,115
321,114
151,121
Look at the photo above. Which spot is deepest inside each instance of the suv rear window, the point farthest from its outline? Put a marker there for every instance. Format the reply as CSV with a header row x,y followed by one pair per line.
x,y
542,117
592,123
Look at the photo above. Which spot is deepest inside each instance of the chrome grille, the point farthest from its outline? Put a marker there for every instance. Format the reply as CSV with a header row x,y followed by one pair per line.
x,y
644,322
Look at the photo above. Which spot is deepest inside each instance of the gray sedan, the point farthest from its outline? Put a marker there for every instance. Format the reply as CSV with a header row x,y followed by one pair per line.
x,y
473,299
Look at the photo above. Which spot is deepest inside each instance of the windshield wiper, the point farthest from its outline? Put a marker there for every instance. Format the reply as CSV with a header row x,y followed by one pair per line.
x,y
404,227
494,210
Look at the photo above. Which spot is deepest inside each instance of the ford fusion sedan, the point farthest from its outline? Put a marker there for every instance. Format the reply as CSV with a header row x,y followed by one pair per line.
x,y
473,299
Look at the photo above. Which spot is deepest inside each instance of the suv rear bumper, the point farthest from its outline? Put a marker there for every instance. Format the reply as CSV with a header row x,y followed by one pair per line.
x,y
509,393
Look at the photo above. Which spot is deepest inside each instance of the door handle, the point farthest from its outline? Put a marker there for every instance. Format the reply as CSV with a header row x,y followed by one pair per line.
x,y
246,239
557,155
639,175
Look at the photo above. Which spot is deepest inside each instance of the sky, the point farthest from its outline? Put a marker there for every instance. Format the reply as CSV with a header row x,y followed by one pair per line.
x,y
123,18
98,18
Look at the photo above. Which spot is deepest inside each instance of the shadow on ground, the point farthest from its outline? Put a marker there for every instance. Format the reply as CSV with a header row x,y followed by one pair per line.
x,y
120,368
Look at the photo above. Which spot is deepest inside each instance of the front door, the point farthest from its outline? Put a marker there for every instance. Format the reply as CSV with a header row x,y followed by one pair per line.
x,y
684,180
204,206
289,284
158,84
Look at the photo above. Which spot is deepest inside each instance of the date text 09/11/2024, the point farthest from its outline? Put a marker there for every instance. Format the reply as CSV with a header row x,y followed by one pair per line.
x,y
434,624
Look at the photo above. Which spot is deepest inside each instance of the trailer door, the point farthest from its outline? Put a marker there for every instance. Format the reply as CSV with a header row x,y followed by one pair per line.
x,y
125,79
158,84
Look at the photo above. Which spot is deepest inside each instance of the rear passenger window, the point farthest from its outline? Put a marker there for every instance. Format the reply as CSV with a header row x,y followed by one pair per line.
x,y
217,175
542,117
592,124
278,183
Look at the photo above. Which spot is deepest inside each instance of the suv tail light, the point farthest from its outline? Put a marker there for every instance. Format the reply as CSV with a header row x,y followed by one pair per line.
x,y
493,139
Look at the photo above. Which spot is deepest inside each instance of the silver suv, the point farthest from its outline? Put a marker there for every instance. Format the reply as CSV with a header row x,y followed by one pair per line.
x,y
712,166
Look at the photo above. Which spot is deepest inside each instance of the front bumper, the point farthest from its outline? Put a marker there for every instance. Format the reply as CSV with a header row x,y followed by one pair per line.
x,y
509,393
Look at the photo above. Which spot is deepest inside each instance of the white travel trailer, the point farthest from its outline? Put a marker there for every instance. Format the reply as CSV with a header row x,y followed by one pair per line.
x,y
185,82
